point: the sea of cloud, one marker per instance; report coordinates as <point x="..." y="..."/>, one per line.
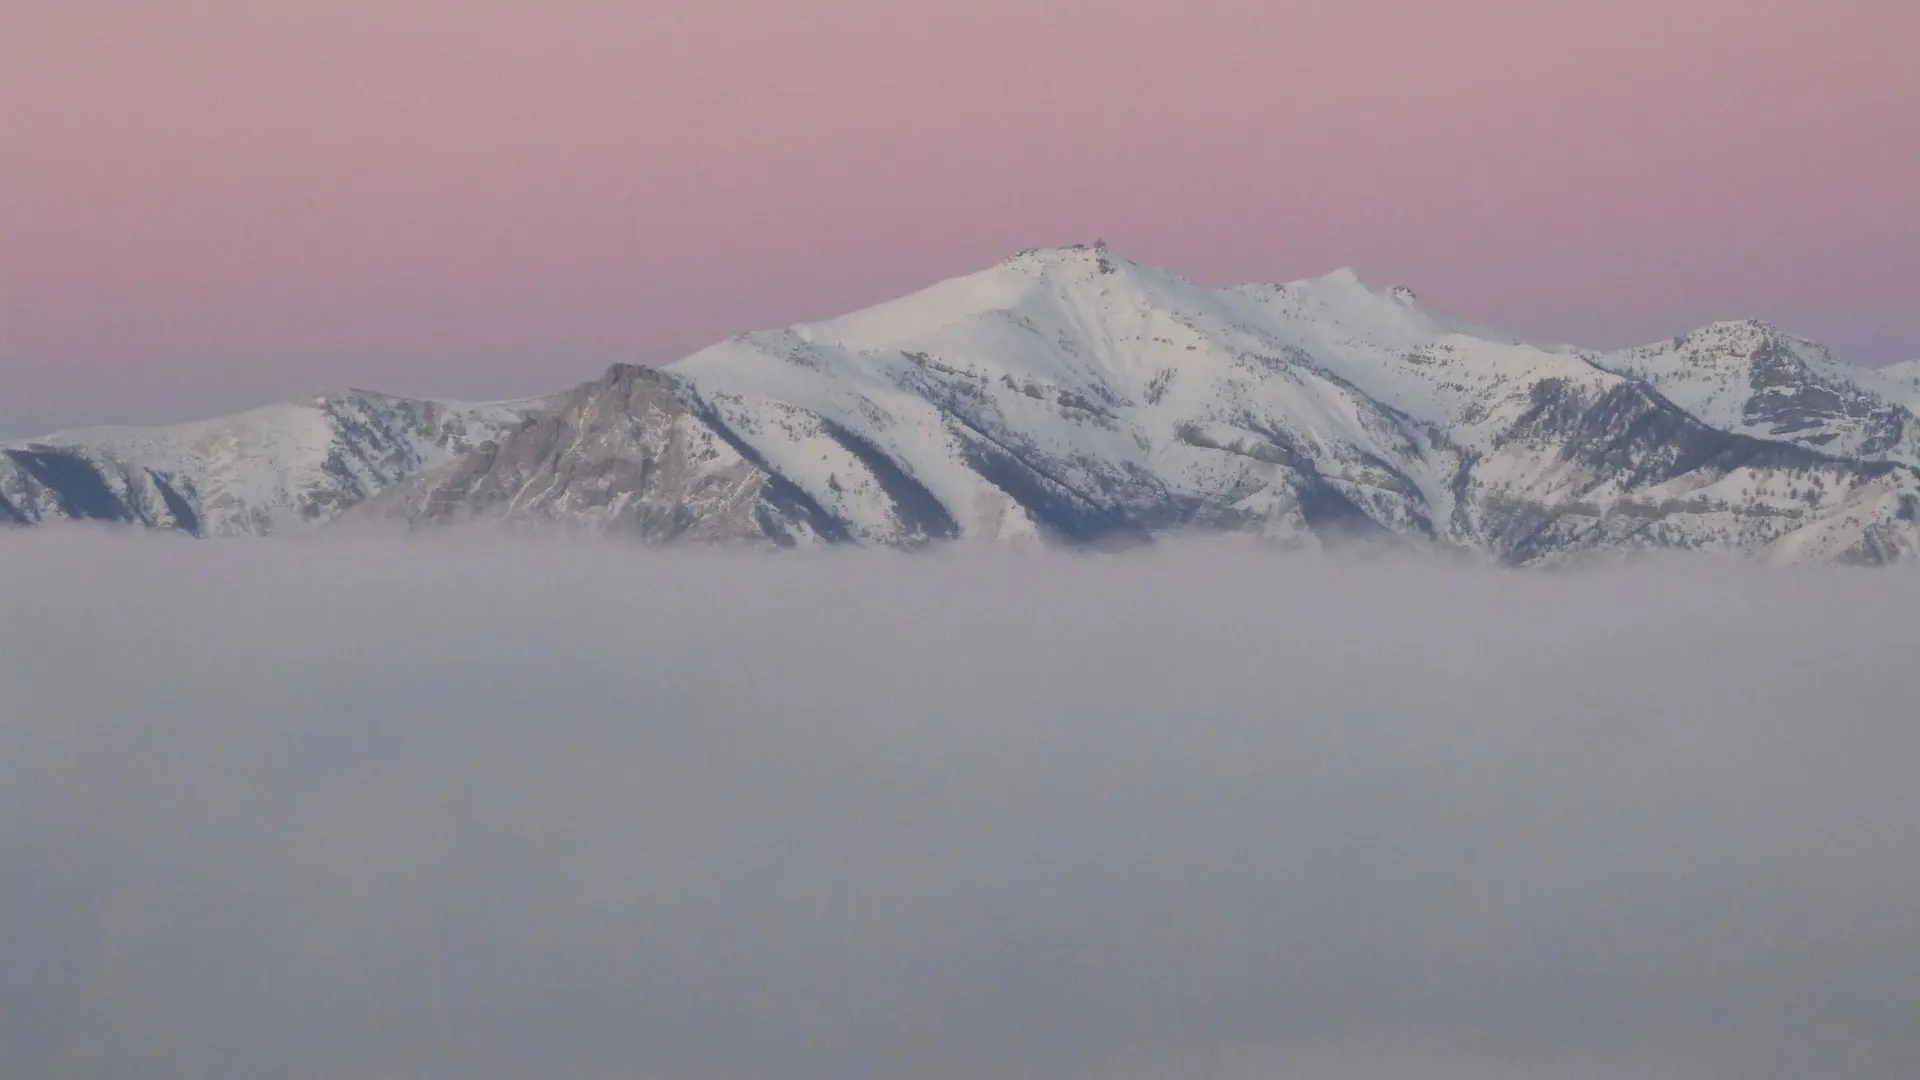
<point x="383" y="809"/>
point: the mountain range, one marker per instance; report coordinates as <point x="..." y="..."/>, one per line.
<point x="1070" y="395"/>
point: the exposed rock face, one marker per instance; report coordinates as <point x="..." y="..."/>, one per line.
<point x="1753" y="378"/>
<point x="1072" y="396"/>
<point x="629" y="454"/>
<point x="1625" y="469"/>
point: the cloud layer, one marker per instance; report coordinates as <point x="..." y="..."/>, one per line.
<point x="378" y="809"/>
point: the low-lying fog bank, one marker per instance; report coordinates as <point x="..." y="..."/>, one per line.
<point x="376" y="809"/>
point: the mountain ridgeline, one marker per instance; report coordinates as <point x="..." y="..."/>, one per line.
<point x="1072" y="396"/>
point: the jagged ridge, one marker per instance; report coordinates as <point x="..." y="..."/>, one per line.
<point x="1071" y="395"/>
<point x="271" y="470"/>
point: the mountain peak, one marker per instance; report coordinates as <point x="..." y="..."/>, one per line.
<point x="1347" y="277"/>
<point x="1738" y="335"/>
<point x="621" y="370"/>
<point x="321" y="399"/>
<point x="1072" y="393"/>
<point x="1096" y="257"/>
<point x="1757" y="327"/>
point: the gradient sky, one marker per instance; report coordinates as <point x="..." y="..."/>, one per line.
<point x="207" y="204"/>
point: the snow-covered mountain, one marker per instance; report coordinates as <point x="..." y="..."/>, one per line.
<point x="1072" y="395"/>
<point x="1752" y="378"/>
<point x="275" y="469"/>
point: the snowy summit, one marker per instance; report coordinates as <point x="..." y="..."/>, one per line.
<point x="1071" y="395"/>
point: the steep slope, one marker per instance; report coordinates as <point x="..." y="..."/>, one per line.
<point x="1074" y="395"/>
<point x="269" y="470"/>
<point x="44" y="484"/>
<point x="626" y="454"/>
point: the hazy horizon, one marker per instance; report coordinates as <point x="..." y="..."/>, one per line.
<point x="219" y="204"/>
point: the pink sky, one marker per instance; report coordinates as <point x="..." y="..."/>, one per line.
<point x="207" y="204"/>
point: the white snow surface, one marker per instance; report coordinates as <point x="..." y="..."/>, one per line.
<point x="1756" y="379"/>
<point x="1120" y="387"/>
<point x="1082" y="356"/>
<point x="293" y="465"/>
